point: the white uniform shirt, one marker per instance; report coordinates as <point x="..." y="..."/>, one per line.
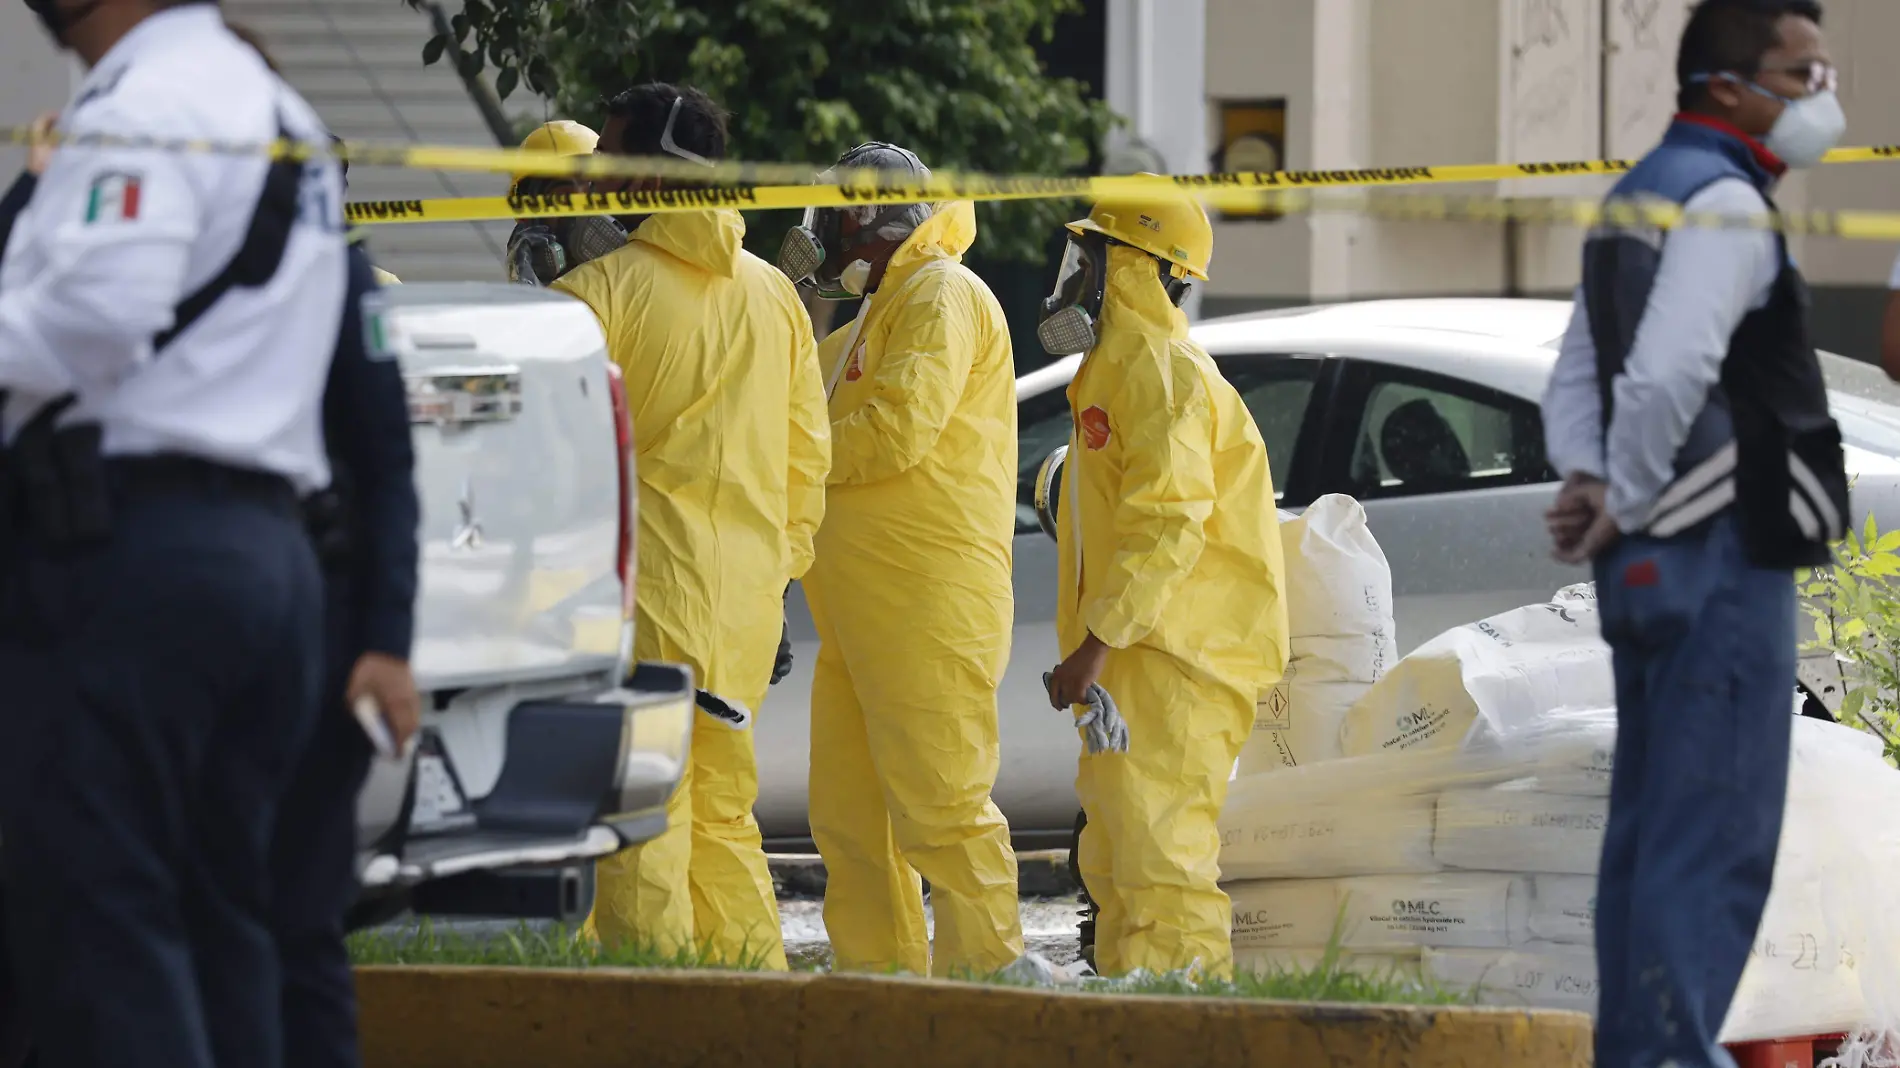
<point x="114" y="239"/>
<point x="1707" y="282"/>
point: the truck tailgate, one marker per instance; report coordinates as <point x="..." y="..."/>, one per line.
<point x="515" y="466"/>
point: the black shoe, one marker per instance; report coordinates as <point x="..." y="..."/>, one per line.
<point x="1086" y="929"/>
<point x="1085" y="932"/>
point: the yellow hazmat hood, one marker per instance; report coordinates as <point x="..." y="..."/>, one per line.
<point x="709" y="240"/>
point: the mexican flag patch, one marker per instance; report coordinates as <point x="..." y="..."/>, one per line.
<point x="114" y="198"/>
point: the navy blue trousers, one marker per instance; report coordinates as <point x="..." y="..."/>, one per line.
<point x="1704" y="647"/>
<point x="160" y="690"/>
<point x="313" y="862"/>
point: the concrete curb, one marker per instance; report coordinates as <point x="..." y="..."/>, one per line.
<point x="526" y="1018"/>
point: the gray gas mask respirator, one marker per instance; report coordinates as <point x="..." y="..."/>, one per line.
<point x="1067" y="320"/>
<point x="541" y="251"/>
<point x="817" y="253"/>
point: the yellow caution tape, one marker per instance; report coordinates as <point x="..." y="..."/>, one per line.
<point x="1577" y="212"/>
<point x="943" y="185"/>
<point x="760" y="186"/>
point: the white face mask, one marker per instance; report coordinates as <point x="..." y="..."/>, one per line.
<point x="855" y="277"/>
<point x="1807" y="129"/>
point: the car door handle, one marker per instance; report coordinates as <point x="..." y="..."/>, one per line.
<point x="459" y="396"/>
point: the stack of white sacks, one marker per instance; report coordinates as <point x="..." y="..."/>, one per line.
<point x="1339" y="596"/>
<point x="1455" y="835"/>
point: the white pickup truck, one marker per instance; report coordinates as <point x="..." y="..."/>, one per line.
<point x="543" y="746"/>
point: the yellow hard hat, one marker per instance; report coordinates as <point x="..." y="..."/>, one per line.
<point x="1174" y="229"/>
<point x="561" y="135"/>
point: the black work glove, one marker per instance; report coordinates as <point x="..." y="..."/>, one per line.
<point x="782" y="665"/>
<point x="535" y="255"/>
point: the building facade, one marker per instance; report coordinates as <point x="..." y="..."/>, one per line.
<point x="1392" y="83"/>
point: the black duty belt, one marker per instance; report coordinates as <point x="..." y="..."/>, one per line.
<point x="187" y="475"/>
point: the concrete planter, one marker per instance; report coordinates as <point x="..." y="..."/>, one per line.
<point x="528" y="1018"/>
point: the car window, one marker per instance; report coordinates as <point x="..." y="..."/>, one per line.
<point x="1420" y="433"/>
<point x="1042" y="425"/>
<point x="1276" y="390"/>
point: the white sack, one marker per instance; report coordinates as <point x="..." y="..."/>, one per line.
<point x="1342" y="637"/>
<point x="1284" y="912"/>
<point x="1383" y="836"/>
<point x="1578" y="764"/>
<point x="1297" y="722"/>
<point x="1510" y="669"/>
<point x="1800" y="978"/>
<point x="1824" y="960"/>
<point x="1564" y="909"/>
<point x="1520" y="831"/>
<point x="1451" y="910"/>
<point x="1401" y="967"/>
<point x="1338" y="585"/>
<point x="1381" y="913"/>
<point x="1827" y="956"/>
<point x="1540" y="975"/>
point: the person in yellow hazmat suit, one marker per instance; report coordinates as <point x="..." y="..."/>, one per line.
<point x="1171" y="581"/>
<point x="732" y="447"/>
<point x="911" y="586"/>
<point x="541" y="250"/>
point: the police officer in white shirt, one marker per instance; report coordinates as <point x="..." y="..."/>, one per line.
<point x="167" y="321"/>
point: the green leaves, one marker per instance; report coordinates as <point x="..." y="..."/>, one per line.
<point x="957" y="81"/>
<point x="1855" y="607"/>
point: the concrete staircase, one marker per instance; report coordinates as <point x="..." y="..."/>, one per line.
<point x="359" y="63"/>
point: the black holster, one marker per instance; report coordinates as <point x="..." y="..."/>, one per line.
<point x="330" y="519"/>
<point x="58" y="480"/>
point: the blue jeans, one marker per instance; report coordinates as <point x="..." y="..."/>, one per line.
<point x="1704" y="649"/>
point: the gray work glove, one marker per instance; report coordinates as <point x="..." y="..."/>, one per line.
<point x="535" y="255"/>
<point x="1103" y="729"/>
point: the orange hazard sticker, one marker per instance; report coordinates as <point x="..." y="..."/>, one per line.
<point x="1095" y="428"/>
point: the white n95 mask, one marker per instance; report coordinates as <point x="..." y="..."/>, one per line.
<point x="1808" y="129"/>
<point x="855" y="277"/>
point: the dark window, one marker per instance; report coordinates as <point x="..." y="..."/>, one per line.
<point x="1277" y="390"/>
<point x="1424" y="433"/>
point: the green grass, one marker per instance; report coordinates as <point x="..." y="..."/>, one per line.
<point x="1326" y="981"/>
<point x="524" y="947"/>
<point x="563" y="947"/>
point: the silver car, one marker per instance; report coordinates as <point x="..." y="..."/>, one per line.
<point x="1424" y="410"/>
